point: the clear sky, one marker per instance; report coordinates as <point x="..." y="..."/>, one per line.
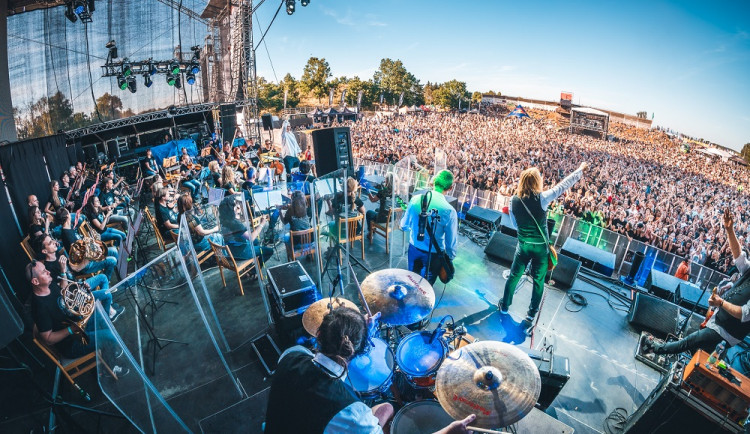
<point x="688" y="63"/>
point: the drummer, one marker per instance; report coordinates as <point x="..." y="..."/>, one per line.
<point x="313" y="385"/>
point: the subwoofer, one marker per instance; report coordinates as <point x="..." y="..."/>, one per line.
<point x="267" y="120"/>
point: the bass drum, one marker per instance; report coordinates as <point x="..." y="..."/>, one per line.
<point x="420" y="417"/>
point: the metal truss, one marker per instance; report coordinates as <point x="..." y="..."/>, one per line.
<point x="151" y="116"/>
<point x="187" y="11"/>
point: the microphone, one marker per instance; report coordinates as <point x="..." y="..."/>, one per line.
<point x="422" y="224"/>
<point x="436" y="331"/>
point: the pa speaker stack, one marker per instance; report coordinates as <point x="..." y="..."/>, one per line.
<point x="333" y="150"/>
<point x="228" y="116"/>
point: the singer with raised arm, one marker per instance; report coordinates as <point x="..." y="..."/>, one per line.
<point x="528" y="211"/>
<point x="310" y="392"/>
<point x="431" y="212"/>
<point x="730" y="308"/>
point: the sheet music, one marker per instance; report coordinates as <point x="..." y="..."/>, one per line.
<point x="324" y="187"/>
<point x="215" y="195"/>
<point x="268" y="199"/>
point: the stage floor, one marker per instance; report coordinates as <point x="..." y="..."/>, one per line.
<point x="596" y="339"/>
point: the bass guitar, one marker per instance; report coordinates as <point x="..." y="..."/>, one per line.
<point x="447" y="270"/>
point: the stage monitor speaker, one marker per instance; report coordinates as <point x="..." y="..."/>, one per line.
<point x="228" y="114"/>
<point x="554" y="371"/>
<point x="484" y="217"/>
<point x="502" y="247"/>
<point x="654" y="314"/>
<point x="689" y="294"/>
<point x="566" y="272"/>
<point x="267" y="120"/>
<point x="333" y="150"/>
<point x="11" y="325"/>
<point x="662" y="284"/>
<point x="670" y="409"/>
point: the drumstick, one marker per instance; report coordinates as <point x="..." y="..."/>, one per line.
<point x="483" y="430"/>
<point x="359" y="288"/>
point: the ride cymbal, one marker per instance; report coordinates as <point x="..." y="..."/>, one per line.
<point x="401" y="296"/>
<point x="494" y="380"/>
<point x="313" y="316"/>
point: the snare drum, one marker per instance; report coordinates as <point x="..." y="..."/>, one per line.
<point x="420" y="417"/>
<point x="371" y="373"/>
<point x="419" y="359"/>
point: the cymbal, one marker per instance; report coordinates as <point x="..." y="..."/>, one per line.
<point x="494" y="380"/>
<point x="402" y="297"/>
<point x="313" y="316"/>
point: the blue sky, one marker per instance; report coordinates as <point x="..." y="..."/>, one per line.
<point x="686" y="62"/>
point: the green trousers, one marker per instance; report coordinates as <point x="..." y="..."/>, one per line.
<point x="525" y="252"/>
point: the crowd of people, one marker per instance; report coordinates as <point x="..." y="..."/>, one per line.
<point x="642" y="183"/>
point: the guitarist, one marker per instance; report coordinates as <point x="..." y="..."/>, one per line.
<point x="426" y="254"/>
<point x="528" y="211"/>
<point x="731" y="319"/>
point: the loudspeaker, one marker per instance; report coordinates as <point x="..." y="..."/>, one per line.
<point x="662" y="284"/>
<point x="654" y="314"/>
<point x="333" y="150"/>
<point x="554" y="371"/>
<point x="502" y="247"/>
<point x="267" y="120"/>
<point x="506" y="225"/>
<point x="484" y="217"/>
<point x="11" y="325"/>
<point x="228" y="115"/>
<point x="671" y="409"/>
<point x="637" y="261"/>
<point x="566" y="272"/>
<point x="688" y="295"/>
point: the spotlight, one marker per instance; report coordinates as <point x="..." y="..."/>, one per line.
<point x="304" y="3"/>
<point x="131" y="84"/>
<point x="195" y="68"/>
<point x="147" y="80"/>
<point x="127" y="68"/>
<point x="196" y="52"/>
<point x="112" y="49"/>
<point x="177" y="82"/>
<point x="83" y="9"/>
<point x="174" y="67"/>
<point x="290" y="7"/>
<point x="79" y="7"/>
<point x="121" y="82"/>
<point x="190" y="78"/>
<point x="152" y="69"/>
<point x="69" y="14"/>
<point x="171" y="79"/>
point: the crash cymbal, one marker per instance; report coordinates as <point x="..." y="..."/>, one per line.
<point x="494" y="380"/>
<point x="313" y="316"/>
<point x="402" y="297"/>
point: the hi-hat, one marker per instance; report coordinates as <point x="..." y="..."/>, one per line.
<point x="402" y="297"/>
<point x="313" y="316"/>
<point x="494" y="380"/>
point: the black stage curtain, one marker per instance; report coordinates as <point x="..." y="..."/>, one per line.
<point x="58" y="159"/>
<point x="25" y="174"/>
<point x="12" y="258"/>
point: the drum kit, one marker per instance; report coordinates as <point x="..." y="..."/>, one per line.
<point x="494" y="380"/>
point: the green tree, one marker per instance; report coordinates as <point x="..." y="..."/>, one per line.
<point x="270" y="95"/>
<point x="428" y="92"/>
<point x="290" y="85"/>
<point x="448" y="93"/>
<point x="369" y="92"/>
<point x="315" y="77"/>
<point x="109" y="107"/>
<point x="746" y="152"/>
<point x="476" y="97"/>
<point x="392" y="78"/>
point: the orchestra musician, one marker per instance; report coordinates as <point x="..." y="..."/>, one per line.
<point x="114" y="200"/>
<point x="38" y="224"/>
<point x="68" y="235"/>
<point x="166" y="214"/>
<point x="214" y="174"/>
<point x="187" y="171"/>
<point x="228" y="180"/>
<point x="241" y="242"/>
<point x="198" y="234"/>
<point x="150" y="168"/>
<point x="57" y="199"/>
<point x="99" y="217"/>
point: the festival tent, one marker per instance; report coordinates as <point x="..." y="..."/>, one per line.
<point x="724" y="155"/>
<point x="518" y="112"/>
<point x="316" y="114"/>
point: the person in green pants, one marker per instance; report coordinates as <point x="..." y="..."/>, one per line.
<point x="528" y="211"/>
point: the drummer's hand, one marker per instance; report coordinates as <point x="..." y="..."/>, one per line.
<point x="372" y="323"/>
<point x="459" y="426"/>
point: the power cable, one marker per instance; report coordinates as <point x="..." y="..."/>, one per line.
<point x="88" y="65"/>
<point x="269" y="25"/>
<point x="268" y="54"/>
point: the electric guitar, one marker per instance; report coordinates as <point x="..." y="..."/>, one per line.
<point x="447" y="270"/>
<point x="710" y="312"/>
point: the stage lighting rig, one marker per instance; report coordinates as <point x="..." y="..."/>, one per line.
<point x="147" y="80"/>
<point x="127" y="71"/>
<point x="171" y="79"/>
<point x="127" y="68"/>
<point x="190" y="78"/>
<point x="131" y="84"/>
<point x="82" y="9"/>
<point x="121" y="82"/>
<point x="112" y="50"/>
<point x="177" y="82"/>
<point x="304" y="3"/>
<point x="290" y="5"/>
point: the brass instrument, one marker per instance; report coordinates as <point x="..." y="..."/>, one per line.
<point x="79" y="303"/>
<point x="87" y="248"/>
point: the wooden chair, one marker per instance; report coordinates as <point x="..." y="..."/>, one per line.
<point x="306" y="243"/>
<point x="385" y="229"/>
<point x="71" y="368"/>
<point x="225" y="259"/>
<point x="26" y="246"/>
<point x="352" y="223"/>
<point x="159" y="239"/>
<point x="202" y="256"/>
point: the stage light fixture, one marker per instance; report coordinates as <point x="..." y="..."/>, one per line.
<point x="178" y="82"/>
<point x="190" y="78"/>
<point x="290" y="4"/>
<point x="147" y="80"/>
<point x="79" y="7"/>
<point x="152" y="69"/>
<point x="121" y="82"/>
<point x="127" y="68"/>
<point x="304" y="3"/>
<point x="174" y="67"/>
<point x="131" y="84"/>
<point x="171" y="79"/>
<point x="112" y="49"/>
<point x="196" y="52"/>
<point x="195" y="68"/>
<point x="69" y="14"/>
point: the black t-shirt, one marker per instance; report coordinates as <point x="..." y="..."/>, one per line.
<point x="107" y="197"/>
<point x="164" y="214"/>
<point x="49" y="313"/>
<point x="338" y="203"/>
<point x="69" y="236"/>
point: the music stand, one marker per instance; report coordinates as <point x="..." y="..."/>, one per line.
<point x="206" y="152"/>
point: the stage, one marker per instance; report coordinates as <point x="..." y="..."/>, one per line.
<point x="596" y="339"/>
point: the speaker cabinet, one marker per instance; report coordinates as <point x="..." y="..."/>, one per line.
<point x="333" y="150"/>
<point x="566" y="272"/>
<point x="654" y="314"/>
<point x="662" y="284"/>
<point x="554" y="371"/>
<point x="267" y="120"/>
<point x="502" y="247"/>
<point x="228" y="115"/>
